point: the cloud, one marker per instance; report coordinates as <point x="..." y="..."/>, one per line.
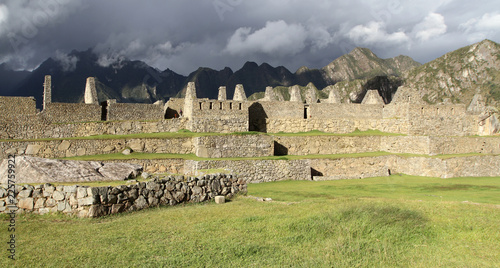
<point x="4" y="13"/>
<point x="67" y="62"/>
<point x="277" y="37"/>
<point x="432" y="26"/>
<point x="375" y="34"/>
<point x="481" y="28"/>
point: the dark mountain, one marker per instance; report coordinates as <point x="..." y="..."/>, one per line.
<point x="135" y="81"/>
<point x="10" y="79"/>
<point x="207" y="82"/>
<point x="128" y="81"/>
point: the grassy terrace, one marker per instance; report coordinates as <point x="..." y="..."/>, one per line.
<point x="135" y="155"/>
<point x="396" y="221"/>
<point x="189" y="134"/>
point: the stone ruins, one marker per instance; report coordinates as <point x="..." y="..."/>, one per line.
<point x="421" y="130"/>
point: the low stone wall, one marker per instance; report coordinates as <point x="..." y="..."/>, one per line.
<point x="85" y="201"/>
<point x="350" y="168"/>
<point x="364" y="167"/>
<point x="307" y="145"/>
<point x="234" y="146"/>
<point x="254" y="171"/>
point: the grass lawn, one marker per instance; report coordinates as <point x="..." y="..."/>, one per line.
<point x="399" y="221"/>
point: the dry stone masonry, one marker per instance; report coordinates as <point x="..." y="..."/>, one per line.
<point x="85" y="201"/>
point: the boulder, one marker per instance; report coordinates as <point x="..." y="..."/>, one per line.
<point x="40" y="170"/>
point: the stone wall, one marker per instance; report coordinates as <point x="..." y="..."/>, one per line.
<point x="69" y="148"/>
<point x="218" y="116"/>
<point x="345" y="125"/>
<point x="350" y="168"/>
<point x="72" y="112"/>
<point x="308" y="145"/>
<point x="234" y="146"/>
<point x="171" y="165"/>
<point x="12" y="107"/>
<point x="85" y="201"/>
<point x="257" y="145"/>
<point x="38" y="130"/>
<point x="345" y="110"/>
<point x="134" y="111"/>
<point x="254" y="171"/>
<point x="364" y="167"/>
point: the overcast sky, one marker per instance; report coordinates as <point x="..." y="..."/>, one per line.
<point x="185" y="35"/>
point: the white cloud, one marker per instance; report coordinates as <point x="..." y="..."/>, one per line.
<point x="432" y="26"/>
<point x="374" y="33"/>
<point x="4" y="13"/>
<point x="480" y="28"/>
<point x="277" y="37"/>
<point x="68" y="62"/>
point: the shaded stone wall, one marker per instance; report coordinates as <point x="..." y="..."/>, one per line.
<point x="72" y="112"/>
<point x="134" y="111"/>
<point x="13" y="107"/>
<point x="85" y="201"/>
<point x="234" y="146"/>
<point x="254" y="171"/>
<point x="36" y="129"/>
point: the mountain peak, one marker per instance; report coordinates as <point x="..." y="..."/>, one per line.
<point x="459" y="74"/>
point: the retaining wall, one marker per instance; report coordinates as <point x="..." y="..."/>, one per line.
<point x="234" y="146"/>
<point x="364" y="167"/>
<point x="254" y="171"/>
<point x="85" y="201"/>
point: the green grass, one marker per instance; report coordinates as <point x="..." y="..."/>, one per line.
<point x="149" y="156"/>
<point x="478" y="190"/>
<point x="158" y="135"/>
<point x="390" y="222"/>
<point x="188" y="134"/>
<point x="355" y="133"/>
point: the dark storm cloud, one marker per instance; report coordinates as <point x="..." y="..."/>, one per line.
<point x="183" y="35"/>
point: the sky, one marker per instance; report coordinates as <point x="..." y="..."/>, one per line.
<point x="185" y="35"/>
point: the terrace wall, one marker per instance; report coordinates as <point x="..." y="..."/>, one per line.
<point x="85" y="201"/>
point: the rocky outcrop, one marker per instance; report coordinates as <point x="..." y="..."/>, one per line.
<point x="40" y="170"/>
<point x="459" y="75"/>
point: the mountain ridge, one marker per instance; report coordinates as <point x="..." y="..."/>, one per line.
<point x="354" y="73"/>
